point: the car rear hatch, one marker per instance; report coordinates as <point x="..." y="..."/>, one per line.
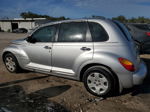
<point x="134" y="48"/>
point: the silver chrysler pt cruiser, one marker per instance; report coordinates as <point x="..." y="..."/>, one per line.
<point x="99" y="52"/>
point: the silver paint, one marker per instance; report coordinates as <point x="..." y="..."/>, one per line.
<point x="67" y="59"/>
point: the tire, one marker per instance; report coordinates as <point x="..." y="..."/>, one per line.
<point x="11" y="63"/>
<point x="98" y="81"/>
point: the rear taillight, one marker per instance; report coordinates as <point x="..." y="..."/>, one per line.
<point x="148" y="34"/>
<point x="128" y="65"/>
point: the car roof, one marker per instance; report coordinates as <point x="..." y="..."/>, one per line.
<point x="75" y="20"/>
<point x="71" y="20"/>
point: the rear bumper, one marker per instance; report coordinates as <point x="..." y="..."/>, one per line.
<point x="139" y="75"/>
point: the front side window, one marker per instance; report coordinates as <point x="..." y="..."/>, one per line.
<point x="98" y="33"/>
<point x="72" y="32"/>
<point x="45" y="34"/>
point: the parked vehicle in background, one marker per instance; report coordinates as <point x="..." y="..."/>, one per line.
<point x="99" y="52"/>
<point x="20" y="30"/>
<point x="141" y="35"/>
<point x="1" y="30"/>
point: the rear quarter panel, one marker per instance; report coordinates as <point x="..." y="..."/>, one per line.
<point x="108" y="55"/>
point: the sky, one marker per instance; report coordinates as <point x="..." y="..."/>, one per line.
<point x="76" y="8"/>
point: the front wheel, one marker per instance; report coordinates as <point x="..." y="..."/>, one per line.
<point x="11" y="63"/>
<point x="98" y="81"/>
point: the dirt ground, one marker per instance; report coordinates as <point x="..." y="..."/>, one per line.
<point x="68" y="93"/>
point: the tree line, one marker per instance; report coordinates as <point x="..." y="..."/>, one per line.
<point x="34" y="15"/>
<point x="139" y="19"/>
<point x="120" y="18"/>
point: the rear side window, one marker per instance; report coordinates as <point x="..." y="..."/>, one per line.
<point x="72" y="32"/>
<point x="98" y="33"/>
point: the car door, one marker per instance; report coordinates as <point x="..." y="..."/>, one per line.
<point x="39" y="48"/>
<point x="72" y="47"/>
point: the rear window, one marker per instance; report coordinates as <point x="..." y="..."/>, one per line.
<point x="142" y="27"/>
<point x="124" y="30"/>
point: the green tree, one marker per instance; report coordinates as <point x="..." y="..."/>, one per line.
<point x="132" y="20"/>
<point x="34" y="15"/>
<point x="139" y="19"/>
<point x="120" y="18"/>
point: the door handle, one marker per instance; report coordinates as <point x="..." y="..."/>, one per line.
<point x="85" y="49"/>
<point x="47" y="47"/>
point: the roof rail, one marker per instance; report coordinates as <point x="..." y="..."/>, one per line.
<point x="95" y="17"/>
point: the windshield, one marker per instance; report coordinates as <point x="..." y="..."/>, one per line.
<point x="32" y="30"/>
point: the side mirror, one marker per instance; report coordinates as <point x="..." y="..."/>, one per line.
<point x="31" y="40"/>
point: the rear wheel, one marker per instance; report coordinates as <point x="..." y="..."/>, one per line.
<point x="11" y="63"/>
<point x="98" y="81"/>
